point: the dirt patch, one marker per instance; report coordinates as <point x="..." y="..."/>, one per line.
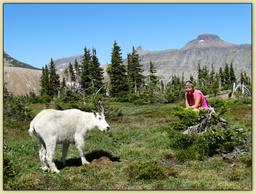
<point x="102" y="160"/>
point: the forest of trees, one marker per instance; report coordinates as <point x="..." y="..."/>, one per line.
<point x="127" y="81"/>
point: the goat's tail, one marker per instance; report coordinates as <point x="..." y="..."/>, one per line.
<point x="32" y="131"/>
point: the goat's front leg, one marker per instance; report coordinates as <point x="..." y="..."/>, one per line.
<point x="80" y="145"/>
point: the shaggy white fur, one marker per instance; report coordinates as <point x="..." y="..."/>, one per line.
<point x="65" y="127"/>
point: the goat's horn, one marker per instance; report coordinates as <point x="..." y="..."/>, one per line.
<point x="100" y="107"/>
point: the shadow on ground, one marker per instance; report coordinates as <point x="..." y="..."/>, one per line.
<point x="92" y="156"/>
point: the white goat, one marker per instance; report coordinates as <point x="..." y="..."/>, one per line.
<point x="64" y="127"/>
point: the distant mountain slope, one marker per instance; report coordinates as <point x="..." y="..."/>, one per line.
<point x="206" y="49"/>
<point x="11" y="62"/>
<point x="21" y="81"/>
<point x="20" y="78"/>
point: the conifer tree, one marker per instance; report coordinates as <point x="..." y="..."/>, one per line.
<point x="199" y="75"/>
<point x="191" y="78"/>
<point x="215" y="84"/>
<point x="85" y="79"/>
<point x="96" y="73"/>
<point x="153" y="79"/>
<point x="44" y="81"/>
<point x="222" y="78"/>
<point x="77" y="70"/>
<point x="63" y="85"/>
<point x="54" y="82"/>
<point x="71" y="73"/>
<point x="117" y="73"/>
<point x="134" y="72"/>
<point x="226" y="77"/>
<point x="232" y="75"/>
<point x="72" y="76"/>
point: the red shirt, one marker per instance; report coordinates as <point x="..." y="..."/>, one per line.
<point x="191" y="99"/>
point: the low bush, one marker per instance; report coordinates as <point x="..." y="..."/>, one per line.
<point x="146" y="171"/>
<point x="221" y="106"/>
<point x="215" y="139"/>
<point x="179" y="140"/>
<point x="17" y="108"/>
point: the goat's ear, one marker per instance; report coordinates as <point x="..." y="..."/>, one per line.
<point x="100" y="107"/>
<point x="95" y="114"/>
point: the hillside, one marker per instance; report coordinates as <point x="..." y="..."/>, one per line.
<point x="21" y="81"/>
<point x="206" y="49"/>
<point x="20" y="78"/>
<point x="11" y="62"/>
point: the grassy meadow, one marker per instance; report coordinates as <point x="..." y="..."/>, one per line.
<point x="134" y="155"/>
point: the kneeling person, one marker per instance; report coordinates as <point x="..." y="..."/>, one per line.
<point x="194" y="98"/>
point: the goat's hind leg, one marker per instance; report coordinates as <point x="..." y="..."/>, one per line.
<point x="50" y="151"/>
<point x="42" y="156"/>
<point x="64" y="152"/>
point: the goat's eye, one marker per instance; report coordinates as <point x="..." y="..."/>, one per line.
<point x="100" y="118"/>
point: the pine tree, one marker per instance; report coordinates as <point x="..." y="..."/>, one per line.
<point x="130" y="73"/>
<point x="232" y="76"/>
<point x="134" y="72"/>
<point x="191" y="78"/>
<point x="117" y="73"/>
<point x="174" y="89"/>
<point x="85" y="79"/>
<point x="44" y="81"/>
<point x="153" y="79"/>
<point x="215" y="85"/>
<point x="222" y="78"/>
<point x="71" y="74"/>
<point x="226" y="77"/>
<point x="199" y="75"/>
<point x="54" y="82"/>
<point x="63" y="85"/>
<point x="77" y="70"/>
<point x="96" y="73"/>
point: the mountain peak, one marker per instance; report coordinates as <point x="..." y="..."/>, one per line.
<point x="208" y="37"/>
<point x="207" y="41"/>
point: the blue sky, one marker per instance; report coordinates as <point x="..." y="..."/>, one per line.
<point x="35" y="33"/>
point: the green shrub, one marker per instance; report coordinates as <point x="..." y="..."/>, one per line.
<point x="246" y="159"/>
<point x="214" y="139"/>
<point x="179" y="140"/>
<point x="243" y="100"/>
<point x="220" y="106"/>
<point x="9" y="172"/>
<point x="187" y="154"/>
<point x="186" y="118"/>
<point x="145" y="171"/>
<point x="150" y="170"/>
<point x="223" y="139"/>
<point x="8" y="169"/>
<point x="17" y="108"/>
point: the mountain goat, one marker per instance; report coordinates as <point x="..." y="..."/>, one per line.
<point x="53" y="127"/>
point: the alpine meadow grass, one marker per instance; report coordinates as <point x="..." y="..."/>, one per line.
<point x="142" y="151"/>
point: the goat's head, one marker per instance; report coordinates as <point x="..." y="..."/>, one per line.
<point x="101" y="123"/>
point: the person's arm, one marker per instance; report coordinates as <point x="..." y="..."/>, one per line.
<point x="186" y="101"/>
<point x="197" y="98"/>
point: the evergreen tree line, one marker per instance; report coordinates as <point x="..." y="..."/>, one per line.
<point x="88" y="74"/>
<point x="128" y="80"/>
<point x="208" y="81"/>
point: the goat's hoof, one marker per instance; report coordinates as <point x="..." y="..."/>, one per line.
<point x="55" y="171"/>
<point x="45" y="168"/>
<point x="85" y="162"/>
